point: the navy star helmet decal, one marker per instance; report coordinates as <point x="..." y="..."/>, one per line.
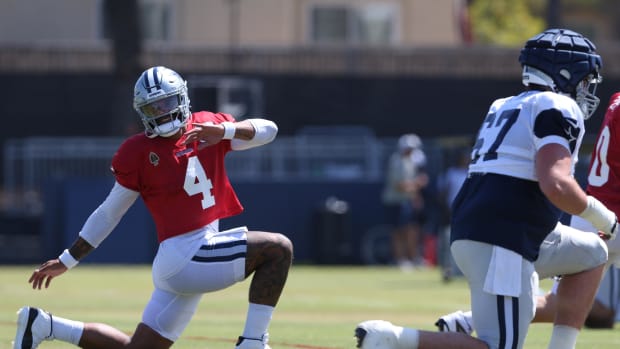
<point x="551" y="122"/>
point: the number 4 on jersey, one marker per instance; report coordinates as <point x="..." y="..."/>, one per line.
<point x="196" y="182"/>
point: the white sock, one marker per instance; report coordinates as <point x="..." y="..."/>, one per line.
<point x="563" y="337"/>
<point x="257" y="321"/>
<point x="67" y="330"/>
<point x="409" y="338"/>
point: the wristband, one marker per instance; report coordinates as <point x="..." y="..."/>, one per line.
<point x="67" y="259"/>
<point x="600" y="216"/>
<point x="229" y="130"/>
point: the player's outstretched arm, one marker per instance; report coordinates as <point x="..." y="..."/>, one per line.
<point x="244" y="134"/>
<point x="43" y="275"/>
<point x="96" y="229"/>
<point x="256" y="132"/>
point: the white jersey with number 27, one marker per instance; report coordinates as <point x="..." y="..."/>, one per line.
<point x="515" y="128"/>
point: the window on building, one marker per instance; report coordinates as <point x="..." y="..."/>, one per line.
<point x="331" y="24"/>
<point x="377" y="24"/>
<point x="363" y="24"/>
<point x="155" y="19"/>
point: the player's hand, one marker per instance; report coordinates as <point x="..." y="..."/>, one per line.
<point x="46" y="272"/>
<point x="608" y="236"/>
<point x="207" y="132"/>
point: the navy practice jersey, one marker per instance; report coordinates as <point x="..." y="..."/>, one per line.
<point x="501" y="203"/>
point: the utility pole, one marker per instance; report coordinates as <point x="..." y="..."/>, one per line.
<point x="123" y="22"/>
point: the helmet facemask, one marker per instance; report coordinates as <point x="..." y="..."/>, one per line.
<point x="585" y="95"/>
<point x="166" y="116"/>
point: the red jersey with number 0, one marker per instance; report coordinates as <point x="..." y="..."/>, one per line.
<point x="184" y="188"/>
<point x="604" y="172"/>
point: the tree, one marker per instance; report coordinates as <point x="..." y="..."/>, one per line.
<point x="506" y="22"/>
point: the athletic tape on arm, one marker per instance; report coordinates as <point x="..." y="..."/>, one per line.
<point x="265" y="132"/>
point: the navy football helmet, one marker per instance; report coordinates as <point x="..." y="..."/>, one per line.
<point x="567" y="63"/>
<point x="160" y="98"/>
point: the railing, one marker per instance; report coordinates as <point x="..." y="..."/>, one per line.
<point x="30" y="163"/>
<point x="455" y="62"/>
<point x="313" y="154"/>
<point x="475" y="61"/>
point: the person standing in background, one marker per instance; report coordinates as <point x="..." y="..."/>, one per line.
<point x="404" y="201"/>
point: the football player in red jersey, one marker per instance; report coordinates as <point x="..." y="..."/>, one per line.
<point x="177" y="167"/>
<point x="604" y="183"/>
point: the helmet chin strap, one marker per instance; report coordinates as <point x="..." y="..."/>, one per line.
<point x="168" y="129"/>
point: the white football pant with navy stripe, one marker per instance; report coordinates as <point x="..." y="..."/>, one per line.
<point x="188" y="266"/>
<point x="501" y="321"/>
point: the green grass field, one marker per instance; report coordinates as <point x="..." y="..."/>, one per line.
<point x="318" y="310"/>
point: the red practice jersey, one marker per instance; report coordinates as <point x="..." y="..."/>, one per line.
<point x="604" y="172"/>
<point x="184" y="188"/>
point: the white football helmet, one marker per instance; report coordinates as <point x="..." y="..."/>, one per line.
<point x="160" y="98"/>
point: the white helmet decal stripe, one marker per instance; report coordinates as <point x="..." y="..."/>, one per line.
<point x="151" y="80"/>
